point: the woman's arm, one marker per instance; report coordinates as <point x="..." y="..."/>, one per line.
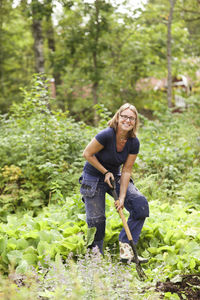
<point x="125" y="178"/>
<point x="93" y="147"/>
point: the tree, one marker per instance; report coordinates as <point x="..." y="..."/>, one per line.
<point x="169" y="54"/>
<point x="191" y="15"/>
<point x="16" y="54"/>
<point x="95" y="53"/>
<point x="49" y="31"/>
<point x="83" y="33"/>
<point x="168" y="37"/>
<point x="37" y="16"/>
<point x="2" y="15"/>
<point x="95" y="44"/>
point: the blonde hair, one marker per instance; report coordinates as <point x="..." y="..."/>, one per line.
<point x="113" y="123"/>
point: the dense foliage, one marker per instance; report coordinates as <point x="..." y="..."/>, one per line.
<point x="43" y="217"/>
<point x="40" y="153"/>
<point x="95" y="51"/>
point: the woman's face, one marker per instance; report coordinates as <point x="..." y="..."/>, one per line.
<point x="127" y="120"/>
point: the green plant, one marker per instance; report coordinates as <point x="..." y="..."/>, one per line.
<point x="45" y="147"/>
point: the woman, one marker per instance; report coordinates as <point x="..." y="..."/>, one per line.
<point x="112" y="148"/>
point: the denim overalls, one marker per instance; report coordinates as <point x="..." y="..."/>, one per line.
<point x="93" y="190"/>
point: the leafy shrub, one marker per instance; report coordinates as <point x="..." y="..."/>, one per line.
<point x="169" y="149"/>
<point x="171" y="241"/>
<point x="45" y="147"/>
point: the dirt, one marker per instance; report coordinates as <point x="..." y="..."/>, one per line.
<point x="187" y="287"/>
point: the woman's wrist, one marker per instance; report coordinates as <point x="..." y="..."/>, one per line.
<point x="106" y="173"/>
<point x="121" y="198"/>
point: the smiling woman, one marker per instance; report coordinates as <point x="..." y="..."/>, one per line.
<point x="114" y="147"/>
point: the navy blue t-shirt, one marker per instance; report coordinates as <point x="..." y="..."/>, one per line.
<point x="109" y="157"/>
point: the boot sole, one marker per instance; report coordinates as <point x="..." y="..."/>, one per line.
<point x="125" y="260"/>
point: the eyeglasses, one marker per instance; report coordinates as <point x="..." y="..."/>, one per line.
<point x="125" y="117"/>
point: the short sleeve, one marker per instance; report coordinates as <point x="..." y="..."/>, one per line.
<point x="104" y="136"/>
<point x="135" y="146"/>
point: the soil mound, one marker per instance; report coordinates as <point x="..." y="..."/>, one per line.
<point x="186" y="286"/>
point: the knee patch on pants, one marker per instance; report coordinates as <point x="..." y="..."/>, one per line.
<point x="141" y="209"/>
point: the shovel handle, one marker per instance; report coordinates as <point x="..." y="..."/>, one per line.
<point x="126" y="228"/>
<point x="128" y="233"/>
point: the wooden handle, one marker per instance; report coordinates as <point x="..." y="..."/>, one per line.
<point x="129" y="235"/>
<point x="126" y="228"/>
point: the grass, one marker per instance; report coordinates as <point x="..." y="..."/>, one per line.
<point x="89" y="277"/>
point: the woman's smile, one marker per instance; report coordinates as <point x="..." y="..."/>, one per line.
<point x="127" y="120"/>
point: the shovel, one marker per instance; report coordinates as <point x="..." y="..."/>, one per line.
<point x="139" y="269"/>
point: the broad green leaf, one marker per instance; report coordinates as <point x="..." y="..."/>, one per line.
<point x="42" y="247"/>
<point x="31" y="234"/>
<point x="4" y="257"/>
<point x="198" y="237"/>
<point x="22" y="268"/>
<point x="22" y="244"/>
<point x="171" y="296"/>
<point x="90" y="235"/>
<point x="112" y="237"/>
<point x="170" y="258"/>
<point x="168" y="236"/>
<point x="46" y="236"/>
<point x="193" y="248"/>
<point x="30" y="250"/>
<point x="71" y="230"/>
<point x="12" y="244"/>
<point x="30" y="258"/>
<point x="3" y="243"/>
<point x="14" y="257"/>
<point x="180" y="265"/>
<point x="181" y="244"/>
<point x="153" y="250"/>
<point x="165" y="248"/>
<point x="192" y="264"/>
<point x="68" y="245"/>
<point x="58" y="259"/>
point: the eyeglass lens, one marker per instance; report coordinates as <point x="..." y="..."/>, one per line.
<point x="126" y="117"/>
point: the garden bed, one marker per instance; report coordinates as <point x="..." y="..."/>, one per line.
<point x="186" y="286"/>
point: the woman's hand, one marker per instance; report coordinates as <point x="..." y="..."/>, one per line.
<point x="109" y="176"/>
<point x="119" y="204"/>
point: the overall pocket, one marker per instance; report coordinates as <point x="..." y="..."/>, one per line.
<point x="88" y="185"/>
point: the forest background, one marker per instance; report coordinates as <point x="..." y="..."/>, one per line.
<point x="97" y="53"/>
<point x="63" y="73"/>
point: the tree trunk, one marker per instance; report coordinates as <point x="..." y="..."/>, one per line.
<point x="51" y="42"/>
<point x="1" y="47"/>
<point x="95" y="100"/>
<point x="169" y="54"/>
<point x="95" y="83"/>
<point x="38" y="37"/>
